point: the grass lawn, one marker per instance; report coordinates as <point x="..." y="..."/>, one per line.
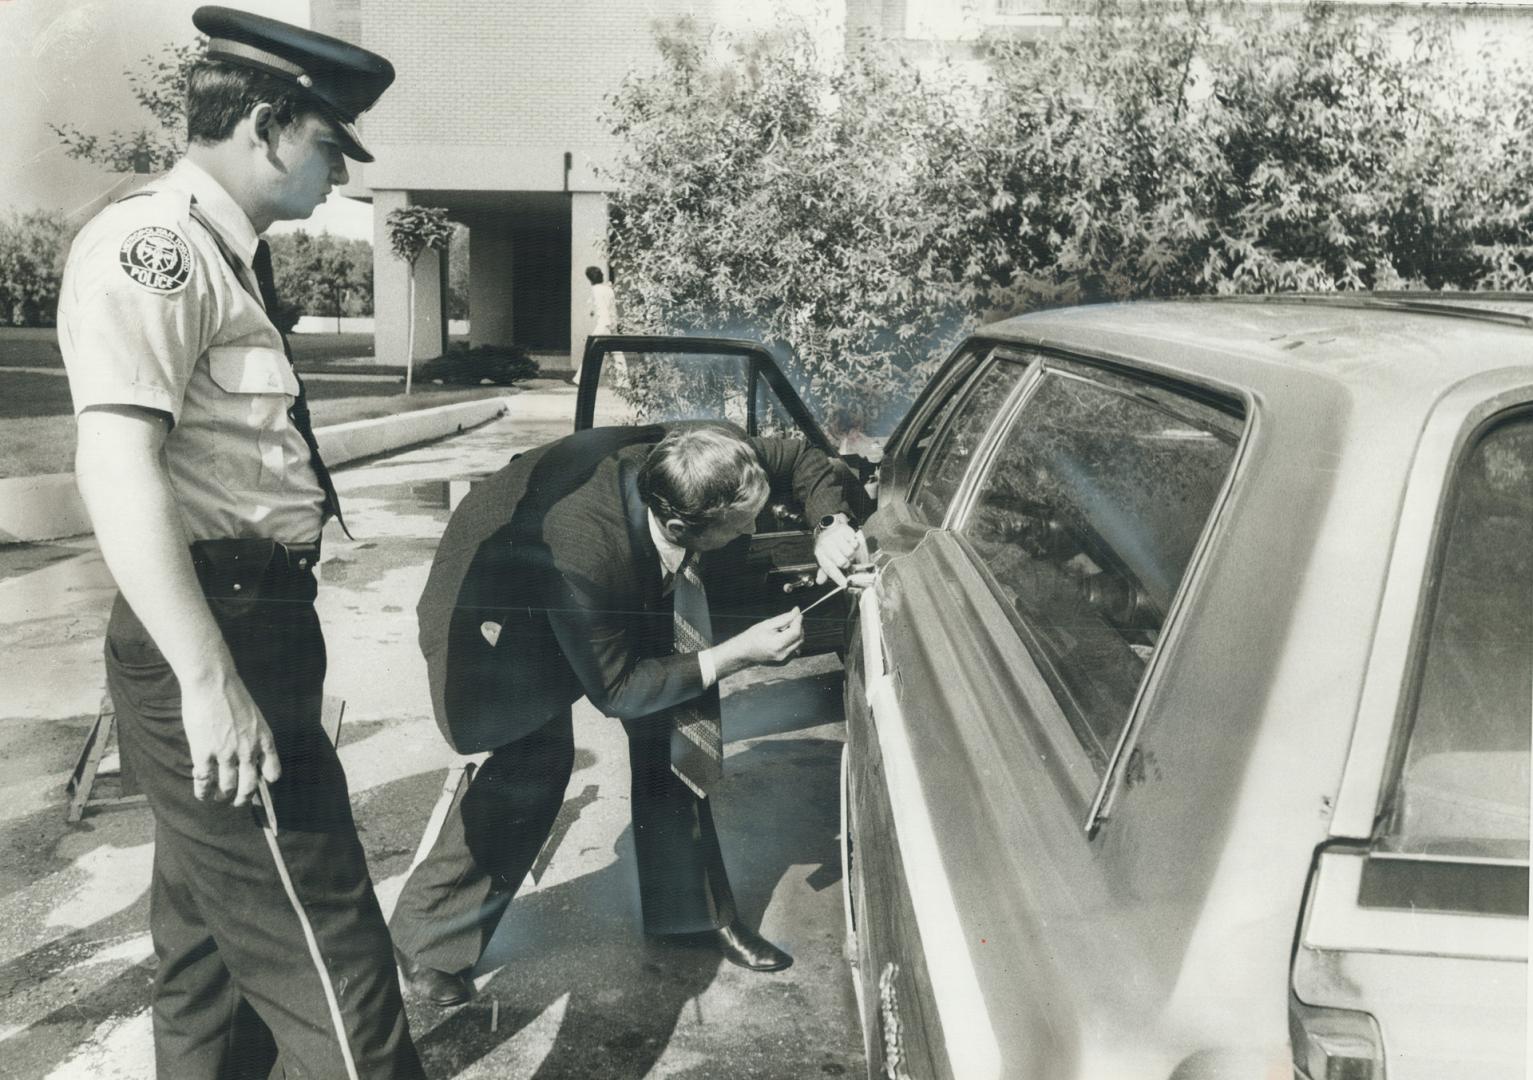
<point x="26" y="393"/>
<point x="31" y="445"/>
<point x="28" y="346"/>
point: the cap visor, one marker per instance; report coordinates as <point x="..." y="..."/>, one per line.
<point x="351" y="141"/>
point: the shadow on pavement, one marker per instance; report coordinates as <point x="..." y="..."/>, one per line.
<point x="575" y="957"/>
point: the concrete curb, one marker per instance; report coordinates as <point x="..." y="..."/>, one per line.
<point x="48" y="507"/>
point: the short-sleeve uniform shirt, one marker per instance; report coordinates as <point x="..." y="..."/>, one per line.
<point x="153" y="314"/>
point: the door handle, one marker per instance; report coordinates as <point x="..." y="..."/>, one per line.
<point x="800" y="581"/>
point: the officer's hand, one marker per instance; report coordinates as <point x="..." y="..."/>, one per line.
<point x="834" y="550"/>
<point x="231" y="744"/>
<point x="773" y="640"/>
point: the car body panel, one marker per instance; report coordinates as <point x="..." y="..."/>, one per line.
<point x="1469" y="1021"/>
<point x="1157" y="939"/>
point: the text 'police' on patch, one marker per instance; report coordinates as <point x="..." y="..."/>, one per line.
<point x="157" y="258"/>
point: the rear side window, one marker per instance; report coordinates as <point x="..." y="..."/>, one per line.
<point x="1463" y="788"/>
<point x="1087" y="520"/>
<point x="948" y="460"/>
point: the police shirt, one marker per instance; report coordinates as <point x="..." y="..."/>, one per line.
<point x="152" y="314"/>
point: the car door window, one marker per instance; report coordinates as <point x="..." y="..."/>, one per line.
<point x="948" y="460"/>
<point x="1463" y="785"/>
<point x="1087" y="519"/>
<point x="659" y="387"/>
<point x="772" y="418"/>
<point x="655" y="387"/>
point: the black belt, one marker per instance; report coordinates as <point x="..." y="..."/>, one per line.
<point x="235" y="567"/>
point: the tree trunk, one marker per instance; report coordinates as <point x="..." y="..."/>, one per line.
<point x="410" y="334"/>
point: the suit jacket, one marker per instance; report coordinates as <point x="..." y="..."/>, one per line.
<point x="555" y="548"/>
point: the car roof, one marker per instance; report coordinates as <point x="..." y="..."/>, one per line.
<point x="1395" y="346"/>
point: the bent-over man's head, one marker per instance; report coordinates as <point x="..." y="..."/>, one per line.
<point x="704" y="485"/>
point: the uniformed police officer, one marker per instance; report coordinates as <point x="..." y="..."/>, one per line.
<point x="197" y="464"/>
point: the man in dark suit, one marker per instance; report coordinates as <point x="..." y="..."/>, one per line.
<point x="573" y="571"/>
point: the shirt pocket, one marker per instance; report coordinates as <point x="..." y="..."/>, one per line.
<point x="256" y="388"/>
<point x="251" y="369"/>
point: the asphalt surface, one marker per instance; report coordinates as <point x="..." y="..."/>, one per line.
<point x="580" y="993"/>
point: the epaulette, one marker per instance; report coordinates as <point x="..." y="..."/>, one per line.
<point x="183" y="199"/>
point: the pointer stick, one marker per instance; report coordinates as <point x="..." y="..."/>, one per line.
<point x="822" y="600"/>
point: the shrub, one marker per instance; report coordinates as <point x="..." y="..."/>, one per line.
<point x="32" y="250"/>
<point x="499" y="364"/>
<point x="862" y="213"/>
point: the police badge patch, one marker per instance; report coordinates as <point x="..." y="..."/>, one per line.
<point x="157" y="258"/>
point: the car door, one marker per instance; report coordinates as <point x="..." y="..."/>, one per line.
<point x="1040" y="515"/>
<point x="631" y="379"/>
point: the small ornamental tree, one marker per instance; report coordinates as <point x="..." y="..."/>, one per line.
<point x="159" y="85"/>
<point x="412" y="230"/>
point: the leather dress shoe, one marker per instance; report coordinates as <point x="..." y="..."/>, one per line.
<point x="429" y="984"/>
<point x="738" y="944"/>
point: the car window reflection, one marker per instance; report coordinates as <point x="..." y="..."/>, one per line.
<point x="1087" y="519"/>
<point x="1464" y="788"/>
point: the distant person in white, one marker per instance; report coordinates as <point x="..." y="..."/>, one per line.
<point x="604" y="314"/>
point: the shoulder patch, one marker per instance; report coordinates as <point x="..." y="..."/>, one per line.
<point x="157" y="258"/>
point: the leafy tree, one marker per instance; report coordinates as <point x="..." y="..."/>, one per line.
<point x="822" y="205"/>
<point x="32" y="249"/>
<point x="334" y="272"/>
<point x="862" y="212"/>
<point x="1226" y="147"/>
<point x="159" y="86"/>
<point x="321" y="274"/>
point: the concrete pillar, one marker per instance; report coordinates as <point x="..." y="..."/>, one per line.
<point x="391" y="292"/>
<point x="489" y="280"/>
<point x="588" y="247"/>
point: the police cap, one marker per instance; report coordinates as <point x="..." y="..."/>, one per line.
<point x="343" y="78"/>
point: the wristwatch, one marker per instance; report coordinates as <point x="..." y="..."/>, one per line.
<point x="828" y="520"/>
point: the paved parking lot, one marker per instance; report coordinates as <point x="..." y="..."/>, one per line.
<point x="579" y="992"/>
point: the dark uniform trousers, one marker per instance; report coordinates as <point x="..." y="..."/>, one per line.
<point x="454" y="900"/>
<point x="266" y="947"/>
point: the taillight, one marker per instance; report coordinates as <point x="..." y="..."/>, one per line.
<point x="1334" y="1044"/>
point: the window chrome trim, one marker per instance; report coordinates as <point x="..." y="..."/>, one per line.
<point x="963" y="391"/>
<point x="983" y="458"/>
<point x="967" y="388"/>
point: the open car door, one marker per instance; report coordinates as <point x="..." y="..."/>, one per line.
<point x="631" y="380"/>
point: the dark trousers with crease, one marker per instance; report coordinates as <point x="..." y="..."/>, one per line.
<point x="240" y="984"/>
<point x="454" y="900"/>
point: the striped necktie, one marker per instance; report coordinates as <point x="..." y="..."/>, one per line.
<point x="697" y="737"/>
